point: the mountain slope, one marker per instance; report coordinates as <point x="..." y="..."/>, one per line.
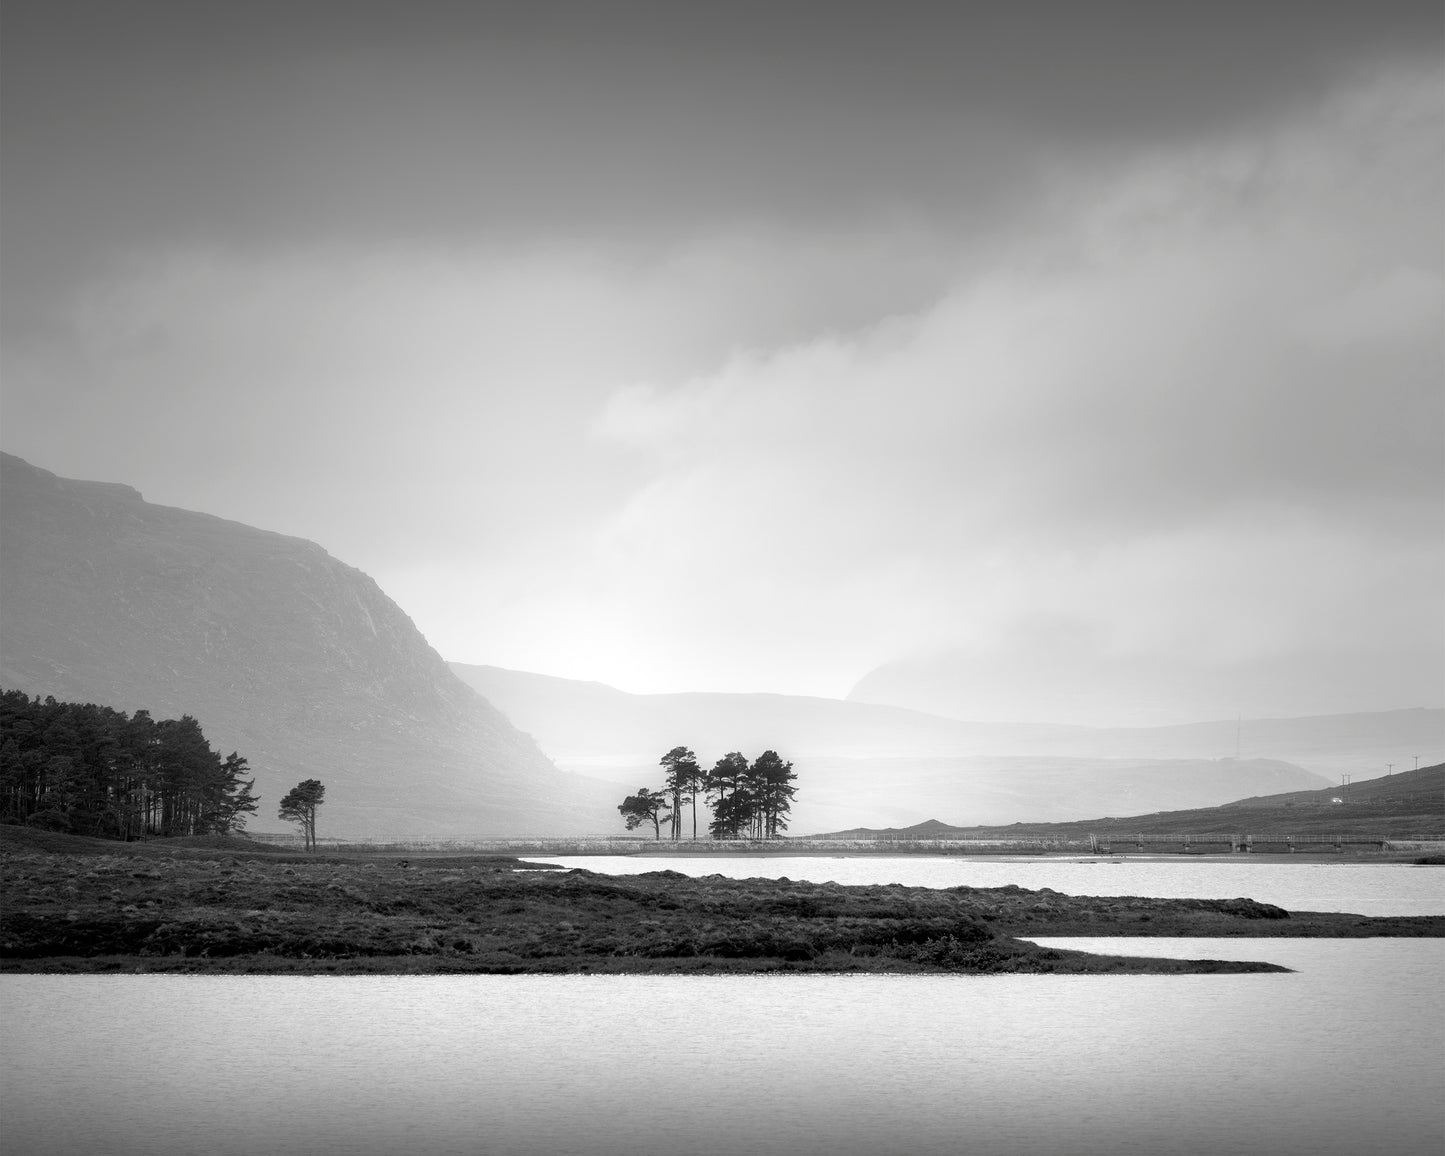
<point x="283" y="653"/>
<point x="1409" y="804"/>
<point x="998" y="790"/>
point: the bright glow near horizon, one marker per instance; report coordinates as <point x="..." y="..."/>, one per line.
<point x="1056" y="378"/>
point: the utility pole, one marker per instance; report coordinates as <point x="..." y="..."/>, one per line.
<point x="1389" y="768"/>
<point x="1417" y="762"/>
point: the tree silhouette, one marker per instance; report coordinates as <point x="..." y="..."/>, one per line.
<point x="645" y="806"/>
<point x="238" y="798"/>
<point x="726" y="785"/>
<point x="99" y="771"/>
<point x="773" y="791"/>
<point x="299" y="806"/>
<point x="681" y="785"/>
<point x="748" y="800"/>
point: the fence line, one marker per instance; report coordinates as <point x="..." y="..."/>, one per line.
<point x="619" y="845"/>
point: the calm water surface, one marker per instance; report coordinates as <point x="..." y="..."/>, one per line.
<point x="1362" y="888"/>
<point x="1343" y="1055"/>
<point x="1316" y="1062"/>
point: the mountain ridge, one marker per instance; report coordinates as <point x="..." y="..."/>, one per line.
<point x="573" y="718"/>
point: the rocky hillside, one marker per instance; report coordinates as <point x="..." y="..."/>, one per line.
<point x="283" y="653"/>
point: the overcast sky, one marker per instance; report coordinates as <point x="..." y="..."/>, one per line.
<point x="734" y="347"/>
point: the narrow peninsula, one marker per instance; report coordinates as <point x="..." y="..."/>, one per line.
<point x="222" y="905"/>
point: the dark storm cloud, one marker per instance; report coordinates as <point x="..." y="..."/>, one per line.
<point x="729" y="346"/>
<point x="269" y="124"/>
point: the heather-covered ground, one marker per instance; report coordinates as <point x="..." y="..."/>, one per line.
<point x="223" y="906"/>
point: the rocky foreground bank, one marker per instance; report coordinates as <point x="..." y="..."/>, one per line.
<point x="218" y="910"/>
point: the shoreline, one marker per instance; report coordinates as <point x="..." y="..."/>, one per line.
<point x="1351" y="850"/>
<point x="234" y="910"/>
<point x="1407" y="858"/>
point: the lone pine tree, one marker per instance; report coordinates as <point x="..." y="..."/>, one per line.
<point x="299" y="806"/>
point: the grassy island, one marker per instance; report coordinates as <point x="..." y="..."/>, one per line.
<point x="222" y="905"/>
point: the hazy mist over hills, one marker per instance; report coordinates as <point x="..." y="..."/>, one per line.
<point x="283" y="653"/>
<point x="578" y="721"/>
<point x="1057" y="362"/>
<point x="1055" y="672"/>
<point x="901" y="766"/>
<point x="1032" y="364"/>
<point x="306" y="667"/>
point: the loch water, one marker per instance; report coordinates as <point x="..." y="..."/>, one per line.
<point x="1294" y="884"/>
<point x="1343" y="1054"/>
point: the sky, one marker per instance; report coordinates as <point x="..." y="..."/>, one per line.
<point x="758" y="347"/>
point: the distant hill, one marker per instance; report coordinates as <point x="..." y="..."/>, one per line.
<point x="1408" y="803"/>
<point x="1361" y="745"/>
<point x="858" y="762"/>
<point x="1421" y="791"/>
<point x="578" y="722"/>
<point x="283" y="653"/>
<point x="1053" y="669"/>
<point x="588" y="723"/>
<point x="1004" y="789"/>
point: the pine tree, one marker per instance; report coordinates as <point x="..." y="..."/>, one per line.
<point x="681" y="785"/>
<point x="98" y="771"/>
<point x="643" y="807"/>
<point x="773" y="786"/>
<point x="299" y="806"/>
<point x="726" y="787"/>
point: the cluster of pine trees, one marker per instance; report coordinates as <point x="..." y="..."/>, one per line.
<point x="94" y="770"/>
<point x="748" y="800"/>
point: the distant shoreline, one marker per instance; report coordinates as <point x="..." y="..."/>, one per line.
<point x="574" y="849"/>
<point x="221" y="906"/>
<point x="1407" y="857"/>
<point x="1363" y="847"/>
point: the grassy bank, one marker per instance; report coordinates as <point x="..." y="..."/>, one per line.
<point x="227" y="907"/>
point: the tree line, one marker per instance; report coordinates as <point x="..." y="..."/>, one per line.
<point x="94" y="770"/>
<point x="748" y="800"/>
